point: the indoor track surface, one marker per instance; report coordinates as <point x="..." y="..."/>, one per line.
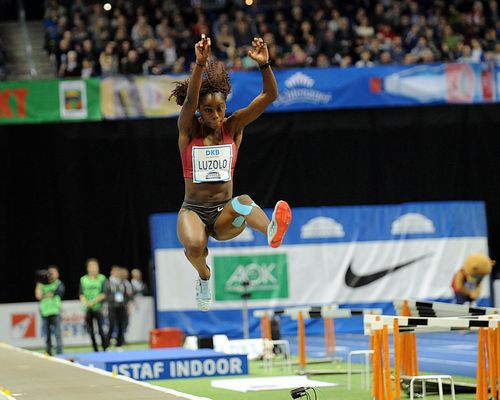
<point x="30" y="376"/>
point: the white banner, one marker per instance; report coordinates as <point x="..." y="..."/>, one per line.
<point x="317" y="272"/>
<point x="21" y="323"/>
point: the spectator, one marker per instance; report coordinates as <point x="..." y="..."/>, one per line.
<point x="297" y="57"/>
<point x="163" y="29"/>
<point x="364" y="29"/>
<point x="169" y="53"/>
<point x="101" y="33"/>
<point x="346" y="61"/>
<point x="92" y="296"/>
<point x="497" y="53"/>
<point x="242" y="34"/>
<point x="225" y="42"/>
<point x="49" y="294"/>
<point x="141" y="31"/>
<point x="385" y="58"/>
<point x="396" y="50"/>
<point x="364" y="60"/>
<point x="131" y="65"/>
<point x="477" y="55"/>
<point x="88" y="50"/>
<point x="329" y="46"/>
<point x="108" y="60"/>
<point x="88" y="68"/>
<point x="117" y="298"/>
<point x="334" y="29"/>
<point x="70" y="66"/>
<point x="466" y="57"/>
<point x="139" y="287"/>
<point x="322" y="61"/>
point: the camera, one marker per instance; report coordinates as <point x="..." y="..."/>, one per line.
<point x="298" y="393"/>
<point x="42" y="276"/>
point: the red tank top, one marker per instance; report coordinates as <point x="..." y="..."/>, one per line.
<point x="187" y="155"/>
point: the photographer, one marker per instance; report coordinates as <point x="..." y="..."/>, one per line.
<point x="92" y="296"/>
<point x="49" y="291"/>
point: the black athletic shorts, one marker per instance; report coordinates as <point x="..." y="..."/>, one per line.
<point x="208" y="212"/>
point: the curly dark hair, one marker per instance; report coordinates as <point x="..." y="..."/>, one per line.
<point x="215" y="80"/>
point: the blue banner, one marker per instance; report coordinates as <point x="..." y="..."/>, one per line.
<point x="383" y="86"/>
<point x="353" y="224"/>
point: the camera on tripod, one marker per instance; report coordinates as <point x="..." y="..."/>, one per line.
<point x="42" y="276"/>
<point x="301" y="392"/>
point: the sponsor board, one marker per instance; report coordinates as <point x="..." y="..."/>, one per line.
<point x="265" y="275"/>
<point x="182" y="368"/>
<point x="73" y="100"/>
<point x="23" y="325"/>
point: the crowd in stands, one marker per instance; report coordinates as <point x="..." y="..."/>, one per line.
<point x="157" y="36"/>
<point x="3" y="62"/>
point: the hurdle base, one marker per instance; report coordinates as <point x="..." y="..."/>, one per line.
<point x="325" y="372"/>
<point x="432" y="387"/>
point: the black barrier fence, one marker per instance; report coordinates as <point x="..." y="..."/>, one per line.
<point x="72" y="191"/>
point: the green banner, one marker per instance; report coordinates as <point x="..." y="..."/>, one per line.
<point x="49" y="101"/>
<point x="266" y="274"/>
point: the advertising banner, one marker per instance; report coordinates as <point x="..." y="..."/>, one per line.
<point x="21" y="324"/>
<point x="351" y="256"/>
<point x="382" y="86"/>
<point x="49" y="101"/>
<point x="300" y="89"/>
<point x="138" y="97"/>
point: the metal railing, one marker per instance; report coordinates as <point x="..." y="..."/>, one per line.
<point x="27" y="42"/>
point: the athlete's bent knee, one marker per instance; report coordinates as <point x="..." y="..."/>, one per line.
<point x="243" y="204"/>
<point x="195" y="248"/>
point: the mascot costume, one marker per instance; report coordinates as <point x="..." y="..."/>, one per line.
<point x="467" y="281"/>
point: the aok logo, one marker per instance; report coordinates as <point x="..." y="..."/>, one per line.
<point x="23" y="325"/>
<point x="266" y="274"/>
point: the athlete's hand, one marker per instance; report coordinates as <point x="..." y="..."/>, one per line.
<point x="259" y="51"/>
<point x="202" y="50"/>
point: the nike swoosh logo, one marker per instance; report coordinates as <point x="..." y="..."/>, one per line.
<point x="219" y="209"/>
<point x="355" y="281"/>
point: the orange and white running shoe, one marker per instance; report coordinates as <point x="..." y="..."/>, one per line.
<point x="282" y="216"/>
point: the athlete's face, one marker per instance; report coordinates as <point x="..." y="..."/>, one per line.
<point x="212" y="108"/>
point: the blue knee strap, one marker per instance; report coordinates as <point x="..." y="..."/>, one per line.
<point x="242" y="209"/>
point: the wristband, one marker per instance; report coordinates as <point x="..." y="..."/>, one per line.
<point x="200" y="65"/>
<point x="264" y="66"/>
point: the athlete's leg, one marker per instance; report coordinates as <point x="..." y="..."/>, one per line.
<point x="237" y="213"/>
<point x="242" y="209"/>
<point x="193" y="235"/>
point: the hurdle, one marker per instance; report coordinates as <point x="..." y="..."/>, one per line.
<point x="328" y="313"/>
<point x="380" y="326"/>
<point x="439" y="309"/>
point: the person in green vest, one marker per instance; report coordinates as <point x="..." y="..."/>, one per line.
<point x="91" y="296"/>
<point x="49" y="295"/>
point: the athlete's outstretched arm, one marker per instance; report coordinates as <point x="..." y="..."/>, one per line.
<point x="244" y="116"/>
<point x="185" y="121"/>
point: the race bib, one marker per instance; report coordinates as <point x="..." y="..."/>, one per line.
<point x="119" y="298"/>
<point x="212" y="163"/>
